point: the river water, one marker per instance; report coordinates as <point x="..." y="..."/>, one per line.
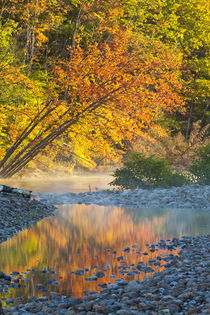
<point x="91" y="237"/>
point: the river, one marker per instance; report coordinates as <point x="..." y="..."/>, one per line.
<point x="90" y="238"/>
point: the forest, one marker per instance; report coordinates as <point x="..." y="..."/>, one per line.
<point x="83" y="83"/>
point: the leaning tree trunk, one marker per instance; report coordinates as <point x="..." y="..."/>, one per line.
<point x="16" y="159"/>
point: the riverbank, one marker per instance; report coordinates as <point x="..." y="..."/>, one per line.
<point x="18" y="213"/>
<point x="186" y="197"/>
<point x="182" y="288"/>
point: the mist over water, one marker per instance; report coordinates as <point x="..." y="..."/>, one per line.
<point x="75" y="182"/>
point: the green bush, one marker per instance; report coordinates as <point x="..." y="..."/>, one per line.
<point x="200" y="166"/>
<point x="175" y="180"/>
<point x="141" y="172"/>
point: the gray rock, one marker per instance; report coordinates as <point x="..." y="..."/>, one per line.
<point x="91" y="278"/>
<point x="100" y="274"/>
<point x="79" y="272"/>
<point x="132" y="286"/>
<point x="43" y="299"/>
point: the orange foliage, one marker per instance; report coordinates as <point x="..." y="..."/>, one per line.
<point x="121" y="87"/>
<point x="103" y="97"/>
<point x="80" y="235"/>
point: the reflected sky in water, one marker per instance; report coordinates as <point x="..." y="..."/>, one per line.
<point x="80" y="236"/>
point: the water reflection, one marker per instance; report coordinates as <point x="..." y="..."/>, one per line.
<point x="80" y="237"/>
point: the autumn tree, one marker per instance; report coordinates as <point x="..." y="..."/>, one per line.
<point x="25" y="30"/>
<point x="16" y="89"/>
<point x="111" y="91"/>
<point x="183" y="24"/>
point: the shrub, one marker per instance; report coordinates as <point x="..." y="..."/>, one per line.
<point x="176" y="180"/>
<point x="200" y="166"/>
<point x="141" y="172"/>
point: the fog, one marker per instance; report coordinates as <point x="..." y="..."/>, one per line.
<point x="76" y="182"/>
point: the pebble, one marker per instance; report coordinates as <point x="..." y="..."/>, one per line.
<point x="91" y="278"/>
<point x="182" y="288"/>
<point x="192" y="196"/>
<point x="100" y="274"/>
<point x="18" y="213"/>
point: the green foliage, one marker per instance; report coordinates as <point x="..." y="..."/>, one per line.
<point x="142" y="172"/>
<point x="183" y="24"/>
<point x="200" y="166"/>
<point x="175" y="180"/>
<point x="7" y="31"/>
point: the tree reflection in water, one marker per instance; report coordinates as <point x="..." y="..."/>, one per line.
<point x="81" y="236"/>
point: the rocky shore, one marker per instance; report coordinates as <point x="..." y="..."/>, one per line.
<point x="193" y="197"/>
<point x="18" y="212"/>
<point x="182" y="288"/>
